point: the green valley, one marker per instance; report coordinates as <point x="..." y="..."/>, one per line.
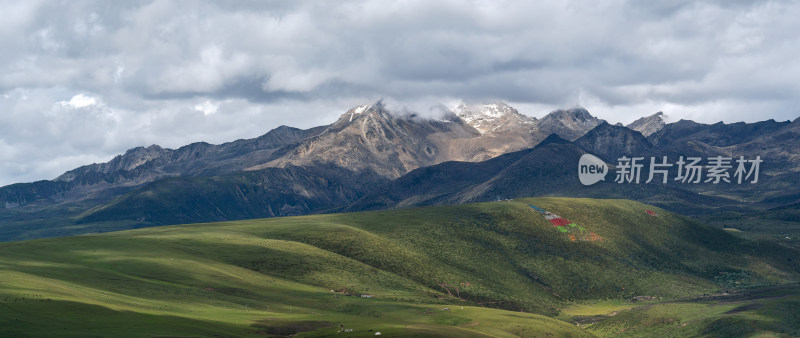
<point x="485" y="269"/>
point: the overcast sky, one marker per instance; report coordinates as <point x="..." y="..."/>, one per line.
<point x="82" y="81"/>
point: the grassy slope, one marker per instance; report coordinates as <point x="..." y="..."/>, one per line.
<point x="770" y="311"/>
<point x="275" y="276"/>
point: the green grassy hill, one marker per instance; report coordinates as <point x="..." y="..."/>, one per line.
<point x="487" y="269"/>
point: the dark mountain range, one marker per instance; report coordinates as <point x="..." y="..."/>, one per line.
<point x="196" y="159"/>
<point x="371" y="158"/>
<point x="690" y="136"/>
<point x="364" y="138"/>
<point x="100" y="182"/>
<point x="268" y="192"/>
<point x="549" y="169"/>
<point x="780" y="145"/>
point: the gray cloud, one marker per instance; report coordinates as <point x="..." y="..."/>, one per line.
<point x="81" y="81"/>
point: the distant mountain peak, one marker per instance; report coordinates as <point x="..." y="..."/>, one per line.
<point x="569" y="123"/>
<point x="362" y="110"/>
<point x="354" y="113"/>
<point x="610" y="142"/>
<point x="151" y="148"/>
<point x="579" y="113"/>
<point x="283" y="127"/>
<point x="132" y="159"/>
<point x="492" y="117"/>
<point x="495" y="109"/>
<point x="649" y="124"/>
<point x="373" y="139"/>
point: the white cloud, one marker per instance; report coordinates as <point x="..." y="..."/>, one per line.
<point x="207" y="107"/>
<point x="79" y="101"/>
<point x="86" y="80"/>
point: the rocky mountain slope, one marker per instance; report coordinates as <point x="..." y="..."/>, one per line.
<point x="495" y="118"/>
<point x="102" y="181"/>
<point x="612" y="142"/>
<point x="649" y="124"/>
<point x="502" y="129"/>
<point x="374" y="139"/>
<point x="569" y="124"/>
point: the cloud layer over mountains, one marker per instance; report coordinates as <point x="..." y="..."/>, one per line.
<point x="81" y="81"/>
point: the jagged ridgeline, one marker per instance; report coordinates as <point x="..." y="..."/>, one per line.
<point x="437" y="271"/>
<point x="373" y="158"/>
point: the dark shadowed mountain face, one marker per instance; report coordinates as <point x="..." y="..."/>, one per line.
<point x="262" y="193"/>
<point x="683" y="132"/>
<point x="549" y="169"/>
<point x="776" y="143"/>
<point x="549" y="165"/>
<point x="612" y="142"/>
<point x="781" y="147"/>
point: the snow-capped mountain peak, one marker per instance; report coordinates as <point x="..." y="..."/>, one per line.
<point x="488" y="118"/>
<point x="358" y="111"/>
